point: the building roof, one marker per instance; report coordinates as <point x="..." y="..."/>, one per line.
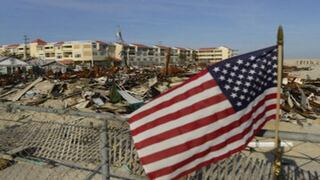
<point x="13" y="45"/>
<point x="3" y="57"/>
<point x="162" y="47"/>
<point x="39" y="41"/>
<point x="38" y="62"/>
<point x="56" y="63"/>
<point x="101" y="42"/>
<point x="10" y="61"/>
<point x="59" y="43"/>
<point x="180" y="48"/>
<point x="66" y="62"/>
<point x="207" y="49"/>
<point x="140" y="45"/>
<point x="120" y="43"/>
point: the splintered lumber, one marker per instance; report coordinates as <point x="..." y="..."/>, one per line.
<point x="21" y="93"/>
<point x="8" y="92"/>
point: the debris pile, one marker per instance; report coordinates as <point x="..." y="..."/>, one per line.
<point x="116" y="90"/>
<point x="301" y="100"/>
<point x="121" y="90"/>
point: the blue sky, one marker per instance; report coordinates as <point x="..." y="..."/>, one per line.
<point x="244" y="25"/>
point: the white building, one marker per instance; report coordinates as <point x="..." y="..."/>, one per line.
<point x="214" y="54"/>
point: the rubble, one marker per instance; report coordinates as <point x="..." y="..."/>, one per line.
<point x="301" y="100"/>
<point x="123" y="90"/>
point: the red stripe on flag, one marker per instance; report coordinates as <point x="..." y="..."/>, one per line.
<point x="229" y="153"/>
<point x="187" y="94"/>
<point x="172" y="168"/>
<point x="177" y="114"/>
<point x="193" y="78"/>
<point x="185" y="128"/>
<point x="201" y="140"/>
<point x="208" y="137"/>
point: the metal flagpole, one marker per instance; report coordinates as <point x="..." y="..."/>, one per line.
<point x="277" y="157"/>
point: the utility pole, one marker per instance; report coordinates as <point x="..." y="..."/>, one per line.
<point x="26" y="41"/>
<point x="168" y="57"/>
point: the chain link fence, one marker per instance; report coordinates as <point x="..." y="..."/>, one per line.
<point x="42" y="145"/>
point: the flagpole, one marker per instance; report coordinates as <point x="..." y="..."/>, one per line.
<point x="277" y="157"/>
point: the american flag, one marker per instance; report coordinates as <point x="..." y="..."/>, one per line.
<point x="209" y="117"/>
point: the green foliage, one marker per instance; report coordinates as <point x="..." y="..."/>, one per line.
<point x="115" y="97"/>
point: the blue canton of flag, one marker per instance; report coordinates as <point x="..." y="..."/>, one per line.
<point x="245" y="77"/>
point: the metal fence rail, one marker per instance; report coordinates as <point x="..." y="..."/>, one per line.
<point x="240" y="167"/>
<point x="67" y="151"/>
<point x="69" y="143"/>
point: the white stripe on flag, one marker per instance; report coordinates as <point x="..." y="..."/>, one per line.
<point x="206" y="77"/>
<point x="205" y="94"/>
<point x="202" y="113"/>
<point x="196" y="133"/>
<point x="172" y="142"/>
<point x="222" y="138"/>
<point x="218" y="153"/>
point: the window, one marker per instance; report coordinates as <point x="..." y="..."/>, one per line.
<point x="67" y="46"/>
<point x="77" y="55"/>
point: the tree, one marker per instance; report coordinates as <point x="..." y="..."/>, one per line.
<point x="182" y="59"/>
<point x="7" y="53"/>
<point x="194" y="56"/>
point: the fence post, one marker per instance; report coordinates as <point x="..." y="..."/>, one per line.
<point x="105" y="171"/>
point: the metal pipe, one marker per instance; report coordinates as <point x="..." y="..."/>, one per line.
<point x="294" y="136"/>
<point x="105" y="171"/>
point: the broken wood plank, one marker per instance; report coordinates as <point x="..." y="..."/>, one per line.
<point x="8" y="92"/>
<point x="21" y="93"/>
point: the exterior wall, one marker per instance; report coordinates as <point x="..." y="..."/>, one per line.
<point x="214" y="55"/>
<point x="33" y="49"/>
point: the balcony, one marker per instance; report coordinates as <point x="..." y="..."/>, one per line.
<point x="68" y="55"/>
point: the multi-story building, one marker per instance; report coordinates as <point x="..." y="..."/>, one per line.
<point x="75" y="51"/>
<point x="214" y="54"/>
<point x="89" y="52"/>
<point x="16" y="49"/>
<point x="184" y="56"/>
<point x="144" y="55"/>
